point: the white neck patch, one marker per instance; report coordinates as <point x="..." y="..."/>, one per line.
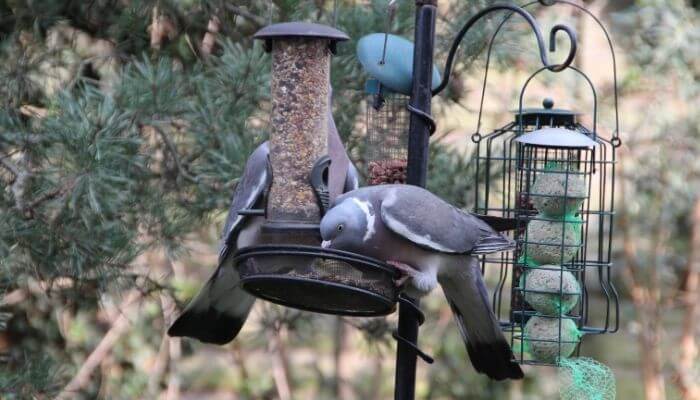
<point x="368" y="210"/>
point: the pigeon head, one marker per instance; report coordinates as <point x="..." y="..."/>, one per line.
<point x="348" y="225"/>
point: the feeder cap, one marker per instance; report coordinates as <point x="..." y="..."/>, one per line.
<point x="396" y="73"/>
<point x="300" y="29"/>
<point x="557" y="137"/>
<point x="548" y="115"/>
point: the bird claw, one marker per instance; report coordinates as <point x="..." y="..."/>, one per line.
<point x="401" y="281"/>
<point x="407" y="272"/>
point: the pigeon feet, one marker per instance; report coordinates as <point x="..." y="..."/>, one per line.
<point x="407" y="272"/>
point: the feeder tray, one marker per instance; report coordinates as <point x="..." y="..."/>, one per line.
<point x="320" y="280"/>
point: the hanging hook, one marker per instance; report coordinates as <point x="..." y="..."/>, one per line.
<point x="615" y="141"/>
<point x="391" y="12"/>
<point x="553" y="46"/>
<point x="535" y="28"/>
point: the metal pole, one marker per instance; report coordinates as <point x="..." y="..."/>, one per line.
<point x="419" y="135"/>
<point x="421" y="94"/>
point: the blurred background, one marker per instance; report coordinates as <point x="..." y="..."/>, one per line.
<point x="126" y="123"/>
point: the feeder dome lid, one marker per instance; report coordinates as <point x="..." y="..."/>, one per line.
<point x="396" y="73"/>
<point x="300" y="29"/>
<point x="548" y="115"/>
<point x="557" y="137"/>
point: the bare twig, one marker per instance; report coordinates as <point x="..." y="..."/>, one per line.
<point x="686" y="382"/>
<point x="156" y="373"/>
<point x="119" y="327"/>
<point x="280" y="364"/>
<point x="10" y="166"/>
<point x="160" y="28"/>
<point x="33" y="111"/>
<point x="255" y="19"/>
<point x="173" y="152"/>
<point x="209" y="39"/>
<point x="174" y="344"/>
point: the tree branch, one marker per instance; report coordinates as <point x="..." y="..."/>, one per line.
<point x="684" y="379"/>
<point x="209" y="39"/>
<point x="258" y="21"/>
<point x="119" y="327"/>
<point x="172" y="149"/>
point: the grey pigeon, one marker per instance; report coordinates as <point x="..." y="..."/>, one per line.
<point x="218" y="312"/>
<point x="431" y="242"/>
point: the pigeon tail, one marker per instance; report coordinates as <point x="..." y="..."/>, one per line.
<point x="499" y="224"/>
<point x="488" y="349"/>
<point x="219" y="310"/>
<point x="492" y="243"/>
<point x="208" y="326"/>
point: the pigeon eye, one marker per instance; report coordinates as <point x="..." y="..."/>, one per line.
<point x="340" y="227"/>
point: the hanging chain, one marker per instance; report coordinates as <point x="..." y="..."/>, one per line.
<point x="335" y="13"/>
<point x="269" y="12"/>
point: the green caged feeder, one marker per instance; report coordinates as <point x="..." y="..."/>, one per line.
<point x="556" y="177"/>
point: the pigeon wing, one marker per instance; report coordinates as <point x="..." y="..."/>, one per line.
<point x="430" y="222"/>
<point x="250" y="188"/>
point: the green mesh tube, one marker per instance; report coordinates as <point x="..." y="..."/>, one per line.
<point x="584" y="378"/>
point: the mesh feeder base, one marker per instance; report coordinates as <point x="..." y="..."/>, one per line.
<point x="319" y="280"/>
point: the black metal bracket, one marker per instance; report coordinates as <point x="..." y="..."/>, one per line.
<point x="318" y="177"/>
<point x="420" y="317"/>
<point x="252" y="211"/>
<point x="427" y="117"/>
<point x="428" y="359"/>
<point x="535" y="28"/>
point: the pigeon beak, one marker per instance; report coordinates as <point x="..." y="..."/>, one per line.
<point x="326" y="244"/>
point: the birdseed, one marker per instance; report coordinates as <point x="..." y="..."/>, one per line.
<point x="300" y="84"/>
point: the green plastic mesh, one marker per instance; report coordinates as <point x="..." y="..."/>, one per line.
<point x="583" y="378"/>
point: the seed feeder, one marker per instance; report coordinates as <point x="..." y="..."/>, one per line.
<point x="555" y="176"/>
<point x="294" y="270"/>
<point x="388" y="60"/>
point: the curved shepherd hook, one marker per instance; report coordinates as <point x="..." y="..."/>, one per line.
<point x="533" y="24"/>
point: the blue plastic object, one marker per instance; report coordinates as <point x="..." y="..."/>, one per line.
<point x="397" y="71"/>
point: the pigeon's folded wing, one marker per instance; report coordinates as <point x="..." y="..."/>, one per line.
<point x="432" y="223"/>
<point x="255" y="180"/>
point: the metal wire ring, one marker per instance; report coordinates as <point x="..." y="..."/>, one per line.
<point x="476" y="137"/>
